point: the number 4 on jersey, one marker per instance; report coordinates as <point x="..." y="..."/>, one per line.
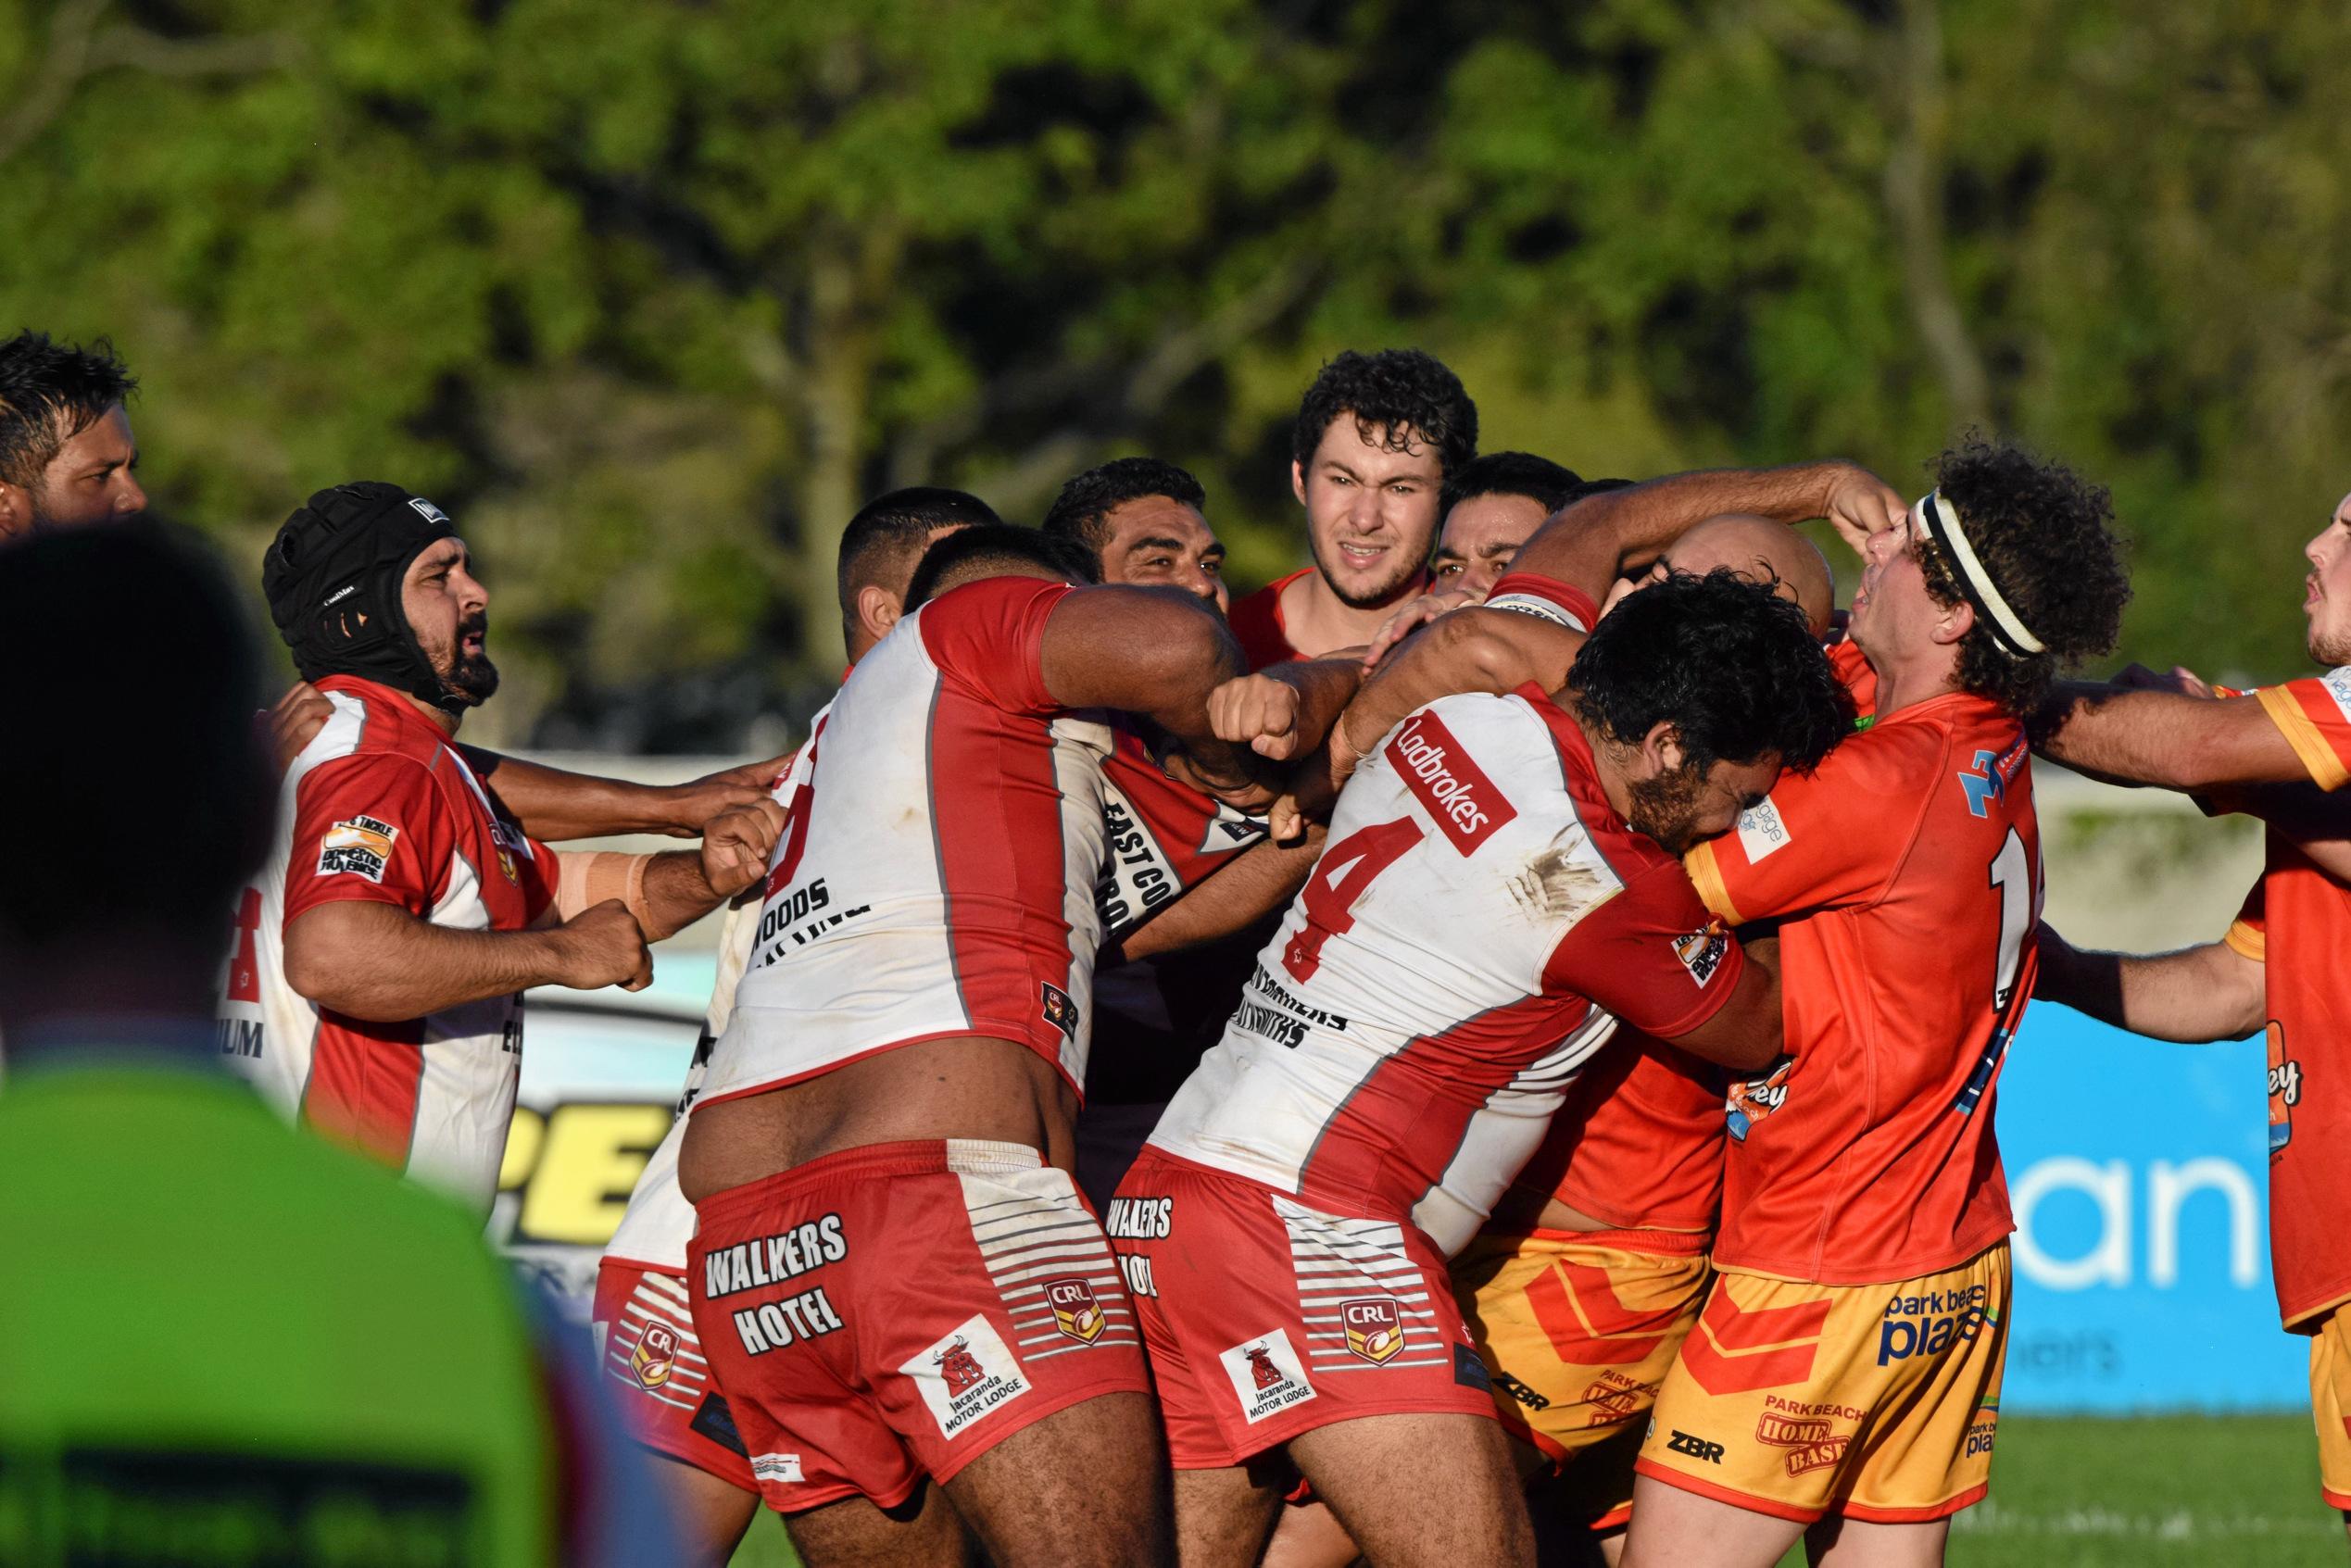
<point x="1339" y="880"/>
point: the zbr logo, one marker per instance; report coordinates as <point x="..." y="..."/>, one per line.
<point x="1986" y="778"/>
<point x="1374" y="1328"/>
<point x="1075" y="1313"/>
<point x="2285" y="1091"/>
<point x="655" y="1356"/>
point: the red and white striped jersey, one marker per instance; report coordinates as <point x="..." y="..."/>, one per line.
<point x="938" y="875"/>
<point x="1444" y="975"/>
<point x="379" y="808"/>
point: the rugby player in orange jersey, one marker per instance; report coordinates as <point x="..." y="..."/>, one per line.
<point x="1591" y="1272"/>
<point x="2280" y="964"/>
<point x="1375" y="441"/>
<point x="1847" y="1224"/>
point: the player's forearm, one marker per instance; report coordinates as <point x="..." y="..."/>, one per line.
<point x="2166" y="739"/>
<point x="1262" y="878"/>
<point x="1325" y="687"/>
<point x="676" y="894"/>
<point x="2194" y="995"/>
<point x="556" y="807"/>
<point x="384" y="965"/>
<point x="1470" y="651"/>
<point x="1594" y="541"/>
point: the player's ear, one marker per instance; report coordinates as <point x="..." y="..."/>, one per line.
<point x="1661" y="749"/>
<point x="1297" y="480"/>
<point x="15" y="512"/>
<point x="1957" y="620"/>
<point x="878" y="611"/>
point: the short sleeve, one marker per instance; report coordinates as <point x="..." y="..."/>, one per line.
<point x="2314" y="714"/>
<point x="1818" y="841"/>
<point x="542" y="874"/>
<point x="1547" y="599"/>
<point x="2249" y="932"/>
<point x="1652" y="955"/>
<point x="989" y="637"/>
<point x="371" y="827"/>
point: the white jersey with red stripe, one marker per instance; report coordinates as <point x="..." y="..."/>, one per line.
<point x="1477" y="924"/>
<point x="938" y="875"/>
<point x="379" y="808"/>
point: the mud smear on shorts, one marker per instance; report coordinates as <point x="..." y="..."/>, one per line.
<point x="1554" y="885"/>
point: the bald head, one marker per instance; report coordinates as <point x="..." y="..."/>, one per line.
<point x="1763" y="550"/>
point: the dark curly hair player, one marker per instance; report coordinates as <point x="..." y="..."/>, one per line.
<point x="1377" y="438"/>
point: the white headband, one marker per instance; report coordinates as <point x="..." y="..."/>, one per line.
<point x="1941" y="523"/>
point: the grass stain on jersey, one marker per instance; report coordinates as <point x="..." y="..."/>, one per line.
<point x="1555" y="885"/>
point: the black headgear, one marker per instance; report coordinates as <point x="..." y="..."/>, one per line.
<point x="332" y="579"/>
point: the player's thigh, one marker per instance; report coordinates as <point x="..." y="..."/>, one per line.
<point x="1224" y="1517"/>
<point x="710" y="1514"/>
<point x="922" y="1532"/>
<point x="1838" y="1542"/>
<point x="1435" y="1488"/>
<point x="1673" y="1528"/>
<point x="2330" y="1405"/>
<point x="1310" y="1535"/>
<point x="1085" y="1485"/>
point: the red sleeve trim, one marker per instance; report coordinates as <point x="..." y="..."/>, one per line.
<point x="1530" y="593"/>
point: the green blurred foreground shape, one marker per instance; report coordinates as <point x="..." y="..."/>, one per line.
<point x="2153" y="1492"/>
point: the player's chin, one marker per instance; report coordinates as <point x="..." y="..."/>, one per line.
<point x="1381" y="583"/>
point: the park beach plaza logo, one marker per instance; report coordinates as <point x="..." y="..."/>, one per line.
<point x="1266" y="1375"/>
<point x="966" y="1374"/>
<point x="1438" y="770"/>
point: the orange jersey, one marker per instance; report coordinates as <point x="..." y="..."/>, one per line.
<point x="1907" y="872"/>
<point x="2315" y="716"/>
<point x="1639" y="1143"/>
<point x="2297" y="921"/>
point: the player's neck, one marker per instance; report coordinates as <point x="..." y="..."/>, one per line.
<point x="1317" y="621"/>
<point x="1907" y="682"/>
<point x="447" y="721"/>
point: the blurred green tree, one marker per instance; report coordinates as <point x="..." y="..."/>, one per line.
<point x="654" y="295"/>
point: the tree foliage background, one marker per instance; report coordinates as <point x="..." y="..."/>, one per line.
<point x="651" y="292"/>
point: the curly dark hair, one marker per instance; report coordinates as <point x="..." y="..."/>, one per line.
<point x="2046" y="536"/>
<point x="1079" y="513"/>
<point x="1396" y="387"/>
<point x="1728" y="662"/>
<point x="1510" y="473"/>
<point x="965" y="555"/>
<point x="49" y="393"/>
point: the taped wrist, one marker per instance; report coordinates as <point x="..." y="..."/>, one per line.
<point x="588" y="880"/>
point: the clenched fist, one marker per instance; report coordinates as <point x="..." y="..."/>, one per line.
<point x="736" y="844"/>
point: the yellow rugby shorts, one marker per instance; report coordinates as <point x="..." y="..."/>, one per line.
<point x="2330" y="1404"/>
<point x="1879" y="1402"/>
<point x="1579" y="1328"/>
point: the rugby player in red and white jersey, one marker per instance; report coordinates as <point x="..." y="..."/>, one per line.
<point x="1375" y="440"/>
<point x="2279" y="967"/>
<point x="1499" y="887"/>
<point x="881" y="1141"/>
<point x="1492" y="506"/>
<point x="644" y="1335"/>
<point x="375" y="988"/>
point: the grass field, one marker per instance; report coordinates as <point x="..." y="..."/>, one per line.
<point x="2214" y="1491"/>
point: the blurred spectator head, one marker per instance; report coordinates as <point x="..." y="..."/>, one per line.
<point x="67" y="454"/>
<point x="134" y="779"/>
<point x="1143" y="520"/>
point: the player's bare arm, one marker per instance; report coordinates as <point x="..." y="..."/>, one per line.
<point x="668" y="892"/>
<point x="381" y="964"/>
<point x="2166" y="739"/>
<point x="555" y="806"/>
<point x="1480" y="650"/>
<point x="2194" y="995"/>
<point x="1262" y="878"/>
<point x="1284" y="711"/>
<point x="1158" y="653"/>
<point x="1593" y="541"/>
<point x="1749" y="1032"/>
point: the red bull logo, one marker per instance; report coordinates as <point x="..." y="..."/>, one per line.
<point x="1075" y="1313"/>
<point x="960" y="1368"/>
<point x="1374" y="1328"/>
<point x="655" y="1356"/>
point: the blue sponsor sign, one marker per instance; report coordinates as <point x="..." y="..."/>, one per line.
<point x="2139" y="1171"/>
